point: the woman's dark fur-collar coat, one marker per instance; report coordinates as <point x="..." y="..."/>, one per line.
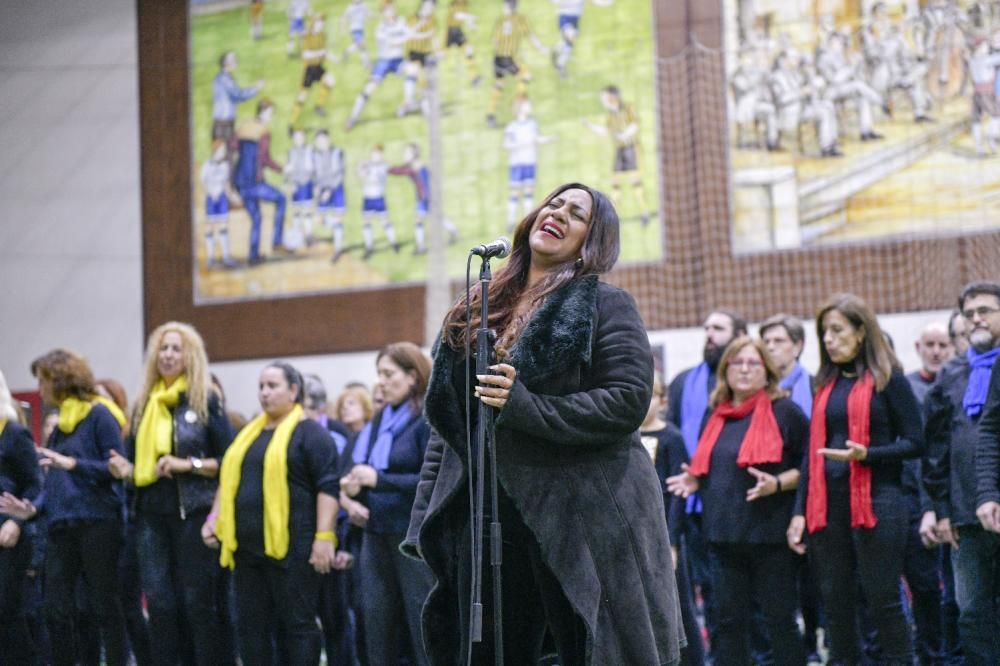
<point x="570" y="458"/>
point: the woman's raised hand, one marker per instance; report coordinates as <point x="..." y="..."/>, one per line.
<point x="494" y="390"/>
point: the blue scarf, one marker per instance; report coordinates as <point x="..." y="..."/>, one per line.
<point x="979" y="380"/>
<point x="693" y="406"/>
<point x="392" y="422"/>
<point x="798" y="383"/>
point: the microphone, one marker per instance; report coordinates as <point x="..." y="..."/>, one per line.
<point x="499" y="248"/>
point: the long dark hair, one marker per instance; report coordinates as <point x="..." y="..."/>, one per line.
<point x="875" y="354"/>
<point x="598" y="254"/>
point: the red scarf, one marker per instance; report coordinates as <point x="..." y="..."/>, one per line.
<point x="761" y="444"/>
<point x="859" y="413"/>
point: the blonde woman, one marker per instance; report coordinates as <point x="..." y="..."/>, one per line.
<point x="19" y="476"/>
<point x="179" y="433"/>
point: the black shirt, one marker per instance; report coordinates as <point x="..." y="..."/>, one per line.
<point x="896" y="433"/>
<point x="727" y="516"/>
<point x="312" y="469"/>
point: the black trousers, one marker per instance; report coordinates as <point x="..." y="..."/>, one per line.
<point x="921" y="568"/>
<point x="533" y="600"/>
<point x="393" y="590"/>
<point x="840" y="555"/>
<point x="276" y="606"/>
<point x="15" y="637"/>
<point x="693" y="654"/>
<point x="742" y="574"/>
<point x="335" y="617"/>
<point x="179" y="576"/>
<point x="89" y="549"/>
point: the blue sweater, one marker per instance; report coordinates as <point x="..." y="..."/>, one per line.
<point x="88" y="492"/>
<point x="392" y="497"/>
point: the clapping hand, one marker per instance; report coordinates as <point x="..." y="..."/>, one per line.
<point x="21" y="509"/>
<point x="53" y="460"/>
<point x="767" y="484"/>
<point x="119" y="466"/>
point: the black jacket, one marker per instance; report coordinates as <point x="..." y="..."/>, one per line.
<point x="194" y="437"/>
<point x="949" y="469"/>
<point x="570" y="459"/>
<point x="988" y="444"/>
<point x="19" y="473"/>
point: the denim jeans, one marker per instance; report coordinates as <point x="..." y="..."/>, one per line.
<point x="89" y="549"/>
<point x="393" y="591"/>
<point x="252" y="196"/>
<point x="976" y="587"/>
<point x="179" y="575"/>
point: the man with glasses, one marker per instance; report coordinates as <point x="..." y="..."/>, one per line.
<point x="962" y="412"/>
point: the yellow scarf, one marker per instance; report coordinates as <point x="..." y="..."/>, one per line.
<point x="72" y="410"/>
<point x="276" y="501"/>
<point x="155" y="436"/>
<point x="3" y="425"/>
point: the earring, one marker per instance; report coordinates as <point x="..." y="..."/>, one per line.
<point x="579" y="262"/>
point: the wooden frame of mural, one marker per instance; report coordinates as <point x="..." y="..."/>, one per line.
<point x="699" y="270"/>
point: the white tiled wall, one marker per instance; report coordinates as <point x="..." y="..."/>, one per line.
<point x="70" y="265"/>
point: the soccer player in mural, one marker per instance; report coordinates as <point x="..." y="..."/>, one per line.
<point x="256" y="19"/>
<point x="298" y="10"/>
<point x="941" y="37"/>
<point x="458" y="21"/>
<point x="509" y="32"/>
<point x="390" y="40"/>
<point x="418" y="173"/>
<point x="983" y="71"/>
<point x="798" y="94"/>
<point x="314" y="56"/>
<point x="215" y="180"/>
<point x="227" y="95"/>
<point x="569" y="13"/>
<point x="422" y="27"/>
<point x="300" y="169"/>
<point x="330" y="167"/>
<point x="521" y="138"/>
<point x="845" y="84"/>
<point x="373" y="173"/>
<point x="622" y="126"/>
<point x="253" y="141"/>
<point x="353" y="19"/>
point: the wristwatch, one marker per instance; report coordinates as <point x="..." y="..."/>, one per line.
<point x="196" y="464"/>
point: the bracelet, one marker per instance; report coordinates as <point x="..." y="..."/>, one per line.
<point x="777" y="480"/>
<point x="326" y="536"/>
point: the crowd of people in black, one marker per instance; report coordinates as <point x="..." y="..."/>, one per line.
<point x="859" y="501"/>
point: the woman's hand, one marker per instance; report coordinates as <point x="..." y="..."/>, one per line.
<point x="767" y="484"/>
<point x="10" y="533"/>
<point x="365" y="475"/>
<point x="349" y="485"/>
<point x="854" y="451"/>
<point x="17" y="508"/>
<point x="343" y="560"/>
<point x="208" y="532"/>
<point x="494" y="390"/>
<point x="794" y="533"/>
<point x="357" y="513"/>
<point x="167" y="466"/>
<point x="119" y="466"/>
<point x="683" y="484"/>
<point x="51" y="459"/>
<point x="322" y="556"/>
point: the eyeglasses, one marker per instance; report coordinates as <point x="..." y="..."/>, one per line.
<point x="749" y="364"/>
<point x="983" y="311"/>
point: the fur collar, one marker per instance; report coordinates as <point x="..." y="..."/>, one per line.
<point x="557" y="337"/>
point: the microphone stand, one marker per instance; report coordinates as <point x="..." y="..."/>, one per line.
<point x="485" y="439"/>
